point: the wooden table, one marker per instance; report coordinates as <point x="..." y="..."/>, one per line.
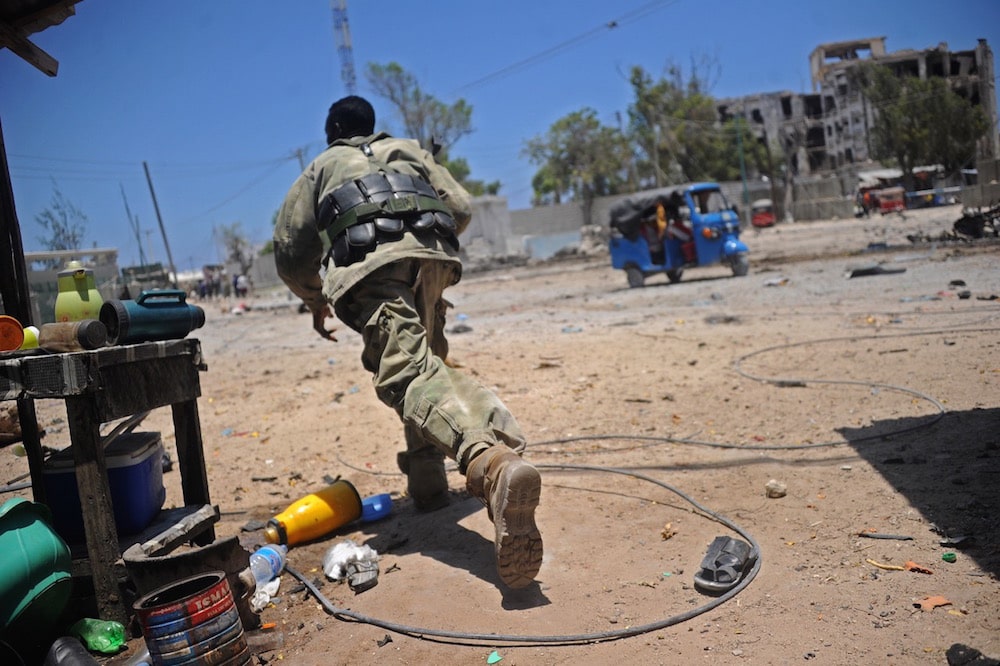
<point x="101" y="386"/>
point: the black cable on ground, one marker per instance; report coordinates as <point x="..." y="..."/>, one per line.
<point x="477" y="638"/>
<point x="568" y="639"/>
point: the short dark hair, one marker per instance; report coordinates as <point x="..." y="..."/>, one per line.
<point x="349" y="116"/>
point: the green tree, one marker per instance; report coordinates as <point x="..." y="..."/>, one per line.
<point x="435" y="125"/>
<point x="64" y="224"/>
<point x="919" y="121"/>
<point x="238" y="247"/>
<point x="461" y="171"/>
<point x="424" y="117"/>
<point x="675" y="126"/>
<point x="268" y="247"/>
<point x="579" y="159"/>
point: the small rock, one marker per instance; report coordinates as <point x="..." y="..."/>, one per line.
<point x="775" y="489"/>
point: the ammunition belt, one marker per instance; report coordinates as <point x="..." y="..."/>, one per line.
<point x="380" y="207"/>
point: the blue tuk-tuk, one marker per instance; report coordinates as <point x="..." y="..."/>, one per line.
<point x="695" y="226"/>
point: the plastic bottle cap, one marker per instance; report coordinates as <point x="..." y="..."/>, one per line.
<point x="92" y="334"/>
<point x="30" y="338"/>
<point x="271" y="534"/>
<point x="375" y="507"/>
<point x="11" y="333"/>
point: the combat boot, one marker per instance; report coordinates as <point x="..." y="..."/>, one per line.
<point x="510" y="489"/>
<point x="426" y="479"/>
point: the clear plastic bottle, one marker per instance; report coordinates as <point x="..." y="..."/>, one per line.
<point x="267" y="562"/>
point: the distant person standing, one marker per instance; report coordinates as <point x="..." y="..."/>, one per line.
<point x="392" y="216"/>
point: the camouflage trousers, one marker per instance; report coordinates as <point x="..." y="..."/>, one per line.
<point x="400" y="312"/>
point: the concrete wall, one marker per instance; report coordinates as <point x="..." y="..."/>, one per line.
<point x="539" y="230"/>
<point x="986" y="192"/>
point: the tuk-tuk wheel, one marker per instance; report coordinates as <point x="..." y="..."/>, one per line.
<point x="740" y="264"/>
<point x="675" y="274"/>
<point x="635" y="277"/>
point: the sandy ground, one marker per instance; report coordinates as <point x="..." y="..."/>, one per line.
<point x="874" y="400"/>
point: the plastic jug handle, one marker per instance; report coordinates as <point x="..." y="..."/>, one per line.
<point x="178" y="294"/>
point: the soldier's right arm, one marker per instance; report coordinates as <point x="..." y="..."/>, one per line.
<point x="298" y="249"/>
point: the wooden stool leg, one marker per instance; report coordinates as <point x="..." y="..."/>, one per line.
<point x="95" y="503"/>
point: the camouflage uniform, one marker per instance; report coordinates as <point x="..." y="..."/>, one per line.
<point x="393" y="297"/>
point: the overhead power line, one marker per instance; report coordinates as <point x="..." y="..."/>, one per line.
<point x="624" y="19"/>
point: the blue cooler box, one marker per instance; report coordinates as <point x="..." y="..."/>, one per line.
<point x="135" y="478"/>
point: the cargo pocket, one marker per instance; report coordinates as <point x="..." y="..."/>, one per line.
<point x="436" y="425"/>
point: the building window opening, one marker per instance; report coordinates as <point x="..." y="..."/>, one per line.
<point x="813" y="106"/>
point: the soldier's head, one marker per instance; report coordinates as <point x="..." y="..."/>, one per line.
<point x="349" y="116"/>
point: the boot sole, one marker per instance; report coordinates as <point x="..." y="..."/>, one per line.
<point x="518" y="541"/>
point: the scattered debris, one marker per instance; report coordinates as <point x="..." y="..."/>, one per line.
<point x="916" y="568"/>
<point x="337" y="564"/>
<point x="722" y="319"/>
<point x="979" y="224"/>
<point x="950" y="558"/>
<point x="385" y="640"/>
<point x="887" y="567"/>
<point x="878" y="269"/>
<point x="776" y="282"/>
<point x="961" y="655"/>
<point x="930" y="603"/>
<point x="878" y="535"/>
<point x="668" y="531"/>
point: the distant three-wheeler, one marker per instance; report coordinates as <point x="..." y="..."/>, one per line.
<point x="668" y="231"/>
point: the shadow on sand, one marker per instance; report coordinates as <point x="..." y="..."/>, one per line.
<point x="949" y="471"/>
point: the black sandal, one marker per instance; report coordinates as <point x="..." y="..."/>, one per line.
<point x="724" y="564"/>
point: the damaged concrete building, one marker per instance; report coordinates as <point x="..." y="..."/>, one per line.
<point x="827" y="131"/>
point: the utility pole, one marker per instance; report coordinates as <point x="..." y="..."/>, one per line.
<point x="163" y="231"/>
<point x="743" y="170"/>
<point x="656" y="152"/>
<point x="134" y="223"/>
<point x="149" y="246"/>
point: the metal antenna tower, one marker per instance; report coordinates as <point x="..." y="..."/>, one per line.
<point x="342" y="35"/>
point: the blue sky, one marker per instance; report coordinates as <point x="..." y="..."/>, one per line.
<point x="217" y="97"/>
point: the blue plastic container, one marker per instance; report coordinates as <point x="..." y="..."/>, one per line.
<point x="135" y="479"/>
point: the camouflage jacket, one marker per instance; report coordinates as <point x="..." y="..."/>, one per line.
<point x="299" y="247"/>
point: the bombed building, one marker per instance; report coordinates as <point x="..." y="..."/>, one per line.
<point x="829" y="128"/>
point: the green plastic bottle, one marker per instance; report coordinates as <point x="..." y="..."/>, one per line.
<point x="104" y="636"/>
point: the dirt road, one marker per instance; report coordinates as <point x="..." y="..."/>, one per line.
<point x="875" y="401"/>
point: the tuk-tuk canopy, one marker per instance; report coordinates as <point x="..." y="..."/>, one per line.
<point x="628" y="214"/>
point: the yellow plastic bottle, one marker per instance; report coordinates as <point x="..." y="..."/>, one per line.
<point x="315" y="515"/>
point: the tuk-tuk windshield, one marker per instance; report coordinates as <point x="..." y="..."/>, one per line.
<point x="710" y="201"/>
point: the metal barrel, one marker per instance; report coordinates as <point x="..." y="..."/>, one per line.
<point x="193" y="621"/>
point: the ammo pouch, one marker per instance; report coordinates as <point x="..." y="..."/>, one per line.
<point x="381" y="207"/>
